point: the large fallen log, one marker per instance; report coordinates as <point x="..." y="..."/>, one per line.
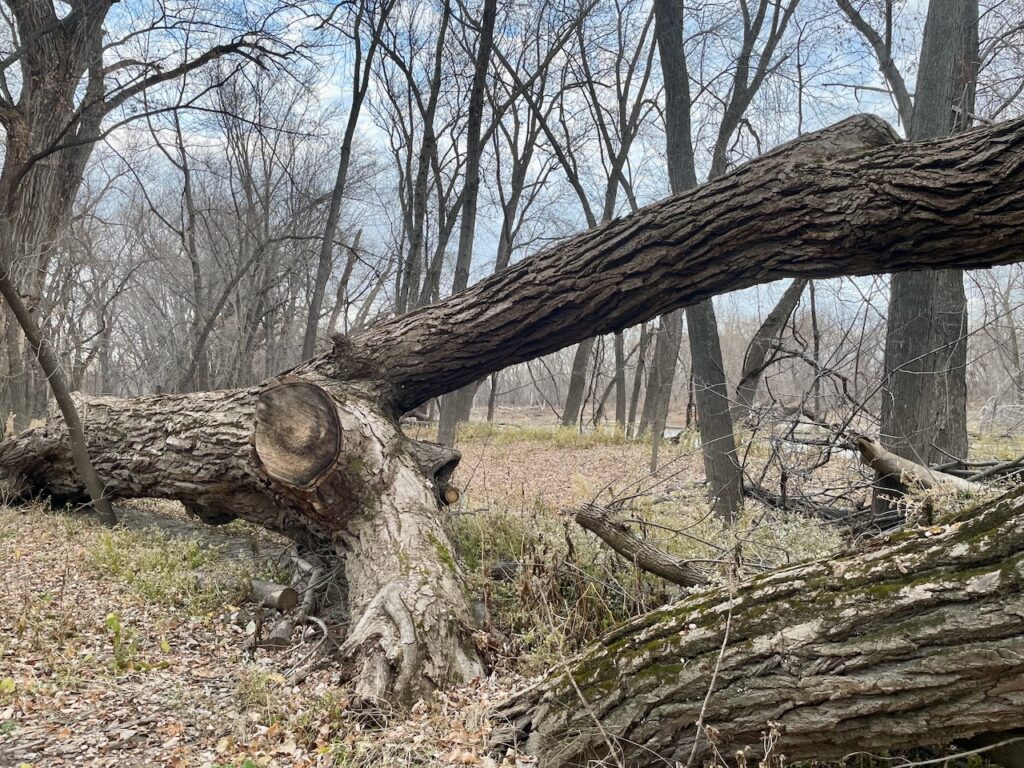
<point x="918" y="642"/>
<point x="317" y="453"/>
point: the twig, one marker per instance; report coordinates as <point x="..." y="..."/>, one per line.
<point x="935" y="760"/>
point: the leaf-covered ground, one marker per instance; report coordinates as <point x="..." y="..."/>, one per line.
<point x="109" y="658"/>
<point x="111" y="655"/>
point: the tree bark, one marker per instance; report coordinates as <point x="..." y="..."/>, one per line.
<point x="577" y="383"/>
<point x="718" y="443"/>
<point x="903" y="473"/>
<point x="848" y="200"/>
<point x="917" y="643"/>
<point x="924" y="390"/>
<point x="317" y="453"/>
<point x="317" y="463"/>
<point x="758" y="355"/>
<point x="638" y="378"/>
<point x="643" y="554"/>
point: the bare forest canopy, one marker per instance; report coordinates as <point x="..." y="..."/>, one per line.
<point x="243" y="248"/>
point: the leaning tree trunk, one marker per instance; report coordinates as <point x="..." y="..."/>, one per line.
<point x="917" y="643"/>
<point x="317" y="452"/>
<point x="760" y="351"/>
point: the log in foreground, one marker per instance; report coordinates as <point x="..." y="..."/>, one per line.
<point x="317" y="453"/>
<point x="918" y="642"/>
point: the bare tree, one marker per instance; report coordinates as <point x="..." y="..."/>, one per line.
<point x="372" y="15"/>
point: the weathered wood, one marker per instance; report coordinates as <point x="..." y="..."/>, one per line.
<point x="297" y="436"/>
<point x="376" y="507"/>
<point x="906" y="473"/>
<point x="919" y="642"/>
<point x="280" y="597"/>
<point x="643" y="554"/>
<point x="810" y="209"/>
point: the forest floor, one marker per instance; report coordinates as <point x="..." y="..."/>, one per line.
<point x="111" y="655"/>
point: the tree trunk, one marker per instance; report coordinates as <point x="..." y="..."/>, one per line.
<point x="682" y="175"/>
<point x="718" y="444"/>
<point x="456" y="406"/>
<point x="848" y="200"/>
<point x="317" y="463"/>
<point x="318" y="453"/>
<point x="620" y="382"/>
<point x="918" y="643"/>
<point x="924" y="391"/>
<point x="759" y="351"/>
<point x="577" y="383"/>
<point x="638" y="378"/>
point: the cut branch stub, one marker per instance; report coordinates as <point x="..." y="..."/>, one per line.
<point x="308" y="443"/>
<point x="298" y="435"/>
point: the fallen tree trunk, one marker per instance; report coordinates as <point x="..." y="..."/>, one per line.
<point x="317" y="453"/>
<point x="320" y="464"/>
<point x="917" y="643"/>
<point x="906" y="474"/>
<point x="848" y="200"/>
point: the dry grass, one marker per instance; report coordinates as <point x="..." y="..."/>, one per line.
<point x="111" y="656"/>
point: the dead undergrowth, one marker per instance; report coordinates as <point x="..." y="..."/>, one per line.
<point x="111" y="654"/>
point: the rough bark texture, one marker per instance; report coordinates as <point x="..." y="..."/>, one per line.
<point x="924" y="392"/>
<point x="918" y="642"/>
<point x="577" y="383"/>
<point x="682" y="175"/>
<point x="808" y="209"/>
<point x="372" y="493"/>
<point x="315" y="461"/>
<point x="717" y="441"/>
